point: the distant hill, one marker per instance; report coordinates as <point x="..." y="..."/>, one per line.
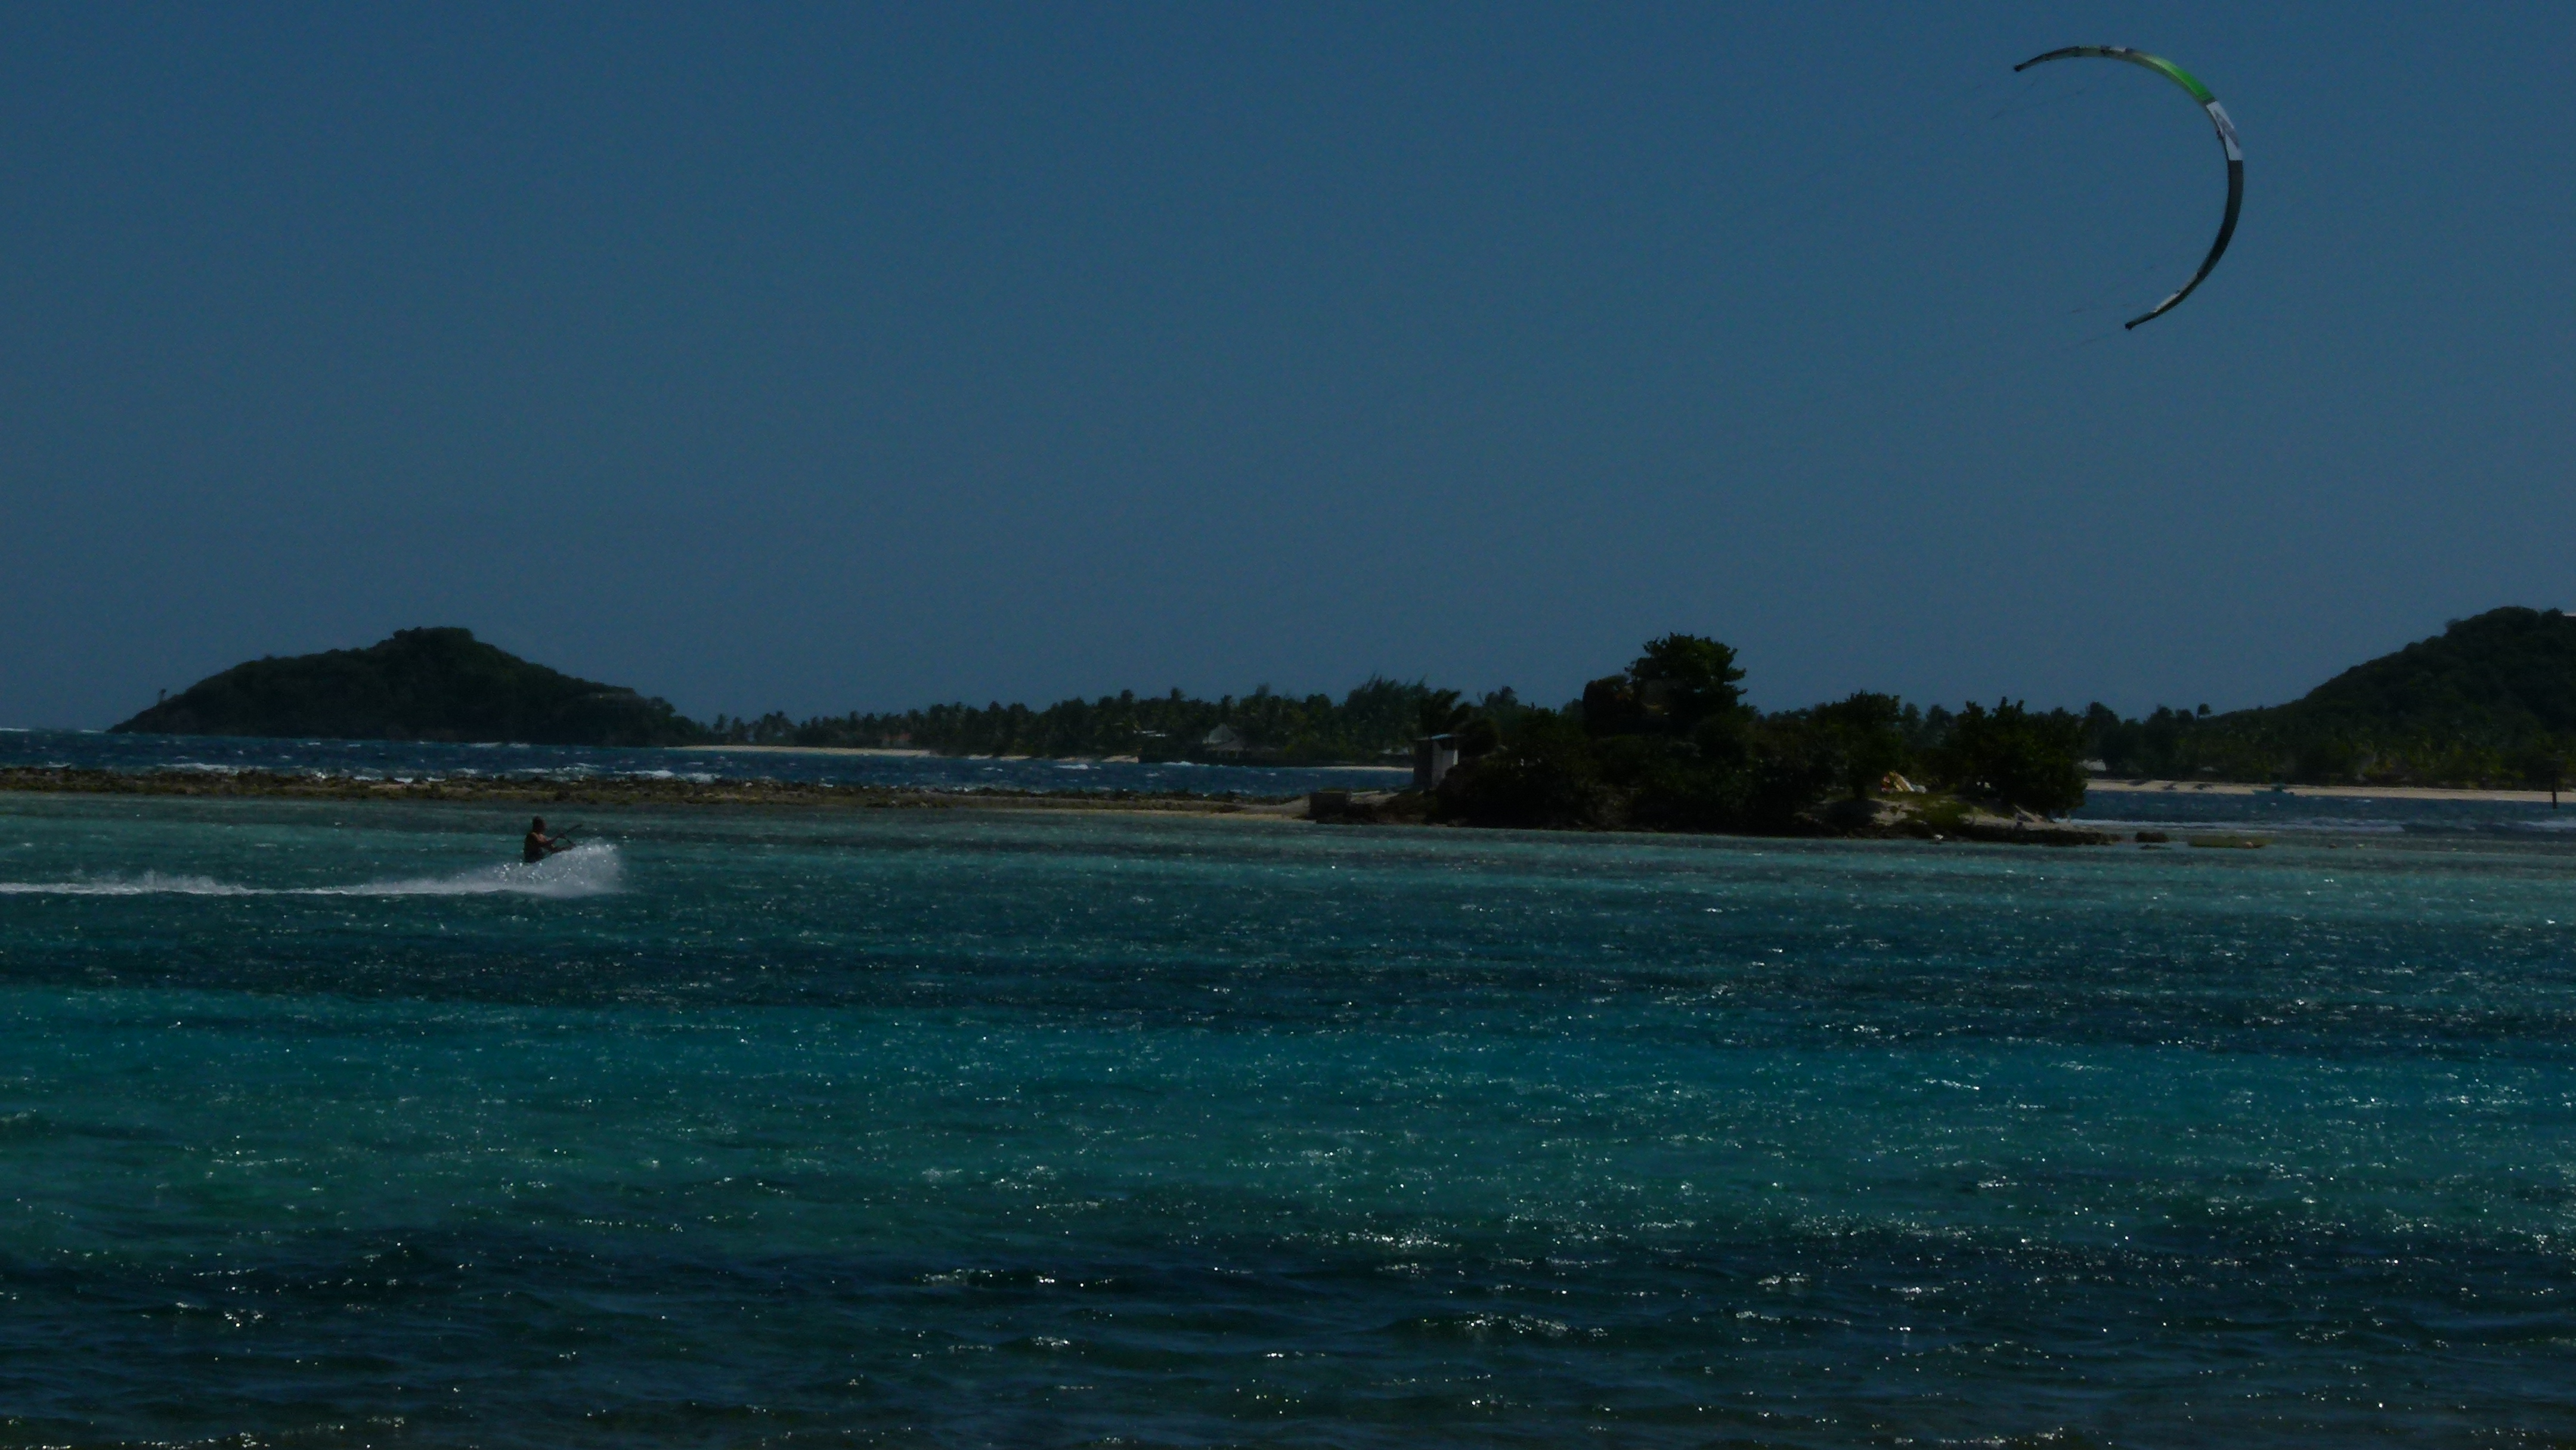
<point x="422" y="684"/>
<point x="2491" y="699"/>
<point x="2502" y="676"/>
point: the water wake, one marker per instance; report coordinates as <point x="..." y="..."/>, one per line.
<point x="590" y="869"/>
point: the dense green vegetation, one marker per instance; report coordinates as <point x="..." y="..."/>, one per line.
<point x="422" y="684"/>
<point x="1669" y="744"/>
<point x="2489" y="701"/>
<point x="1374" y="722"/>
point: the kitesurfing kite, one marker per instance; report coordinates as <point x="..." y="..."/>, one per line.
<point x="2226" y="142"/>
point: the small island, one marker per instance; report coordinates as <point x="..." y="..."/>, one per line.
<point x="421" y="684"/>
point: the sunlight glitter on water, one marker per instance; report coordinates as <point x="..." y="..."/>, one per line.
<point x="976" y="1128"/>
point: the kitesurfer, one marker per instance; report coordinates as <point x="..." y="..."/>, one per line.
<point x="538" y="846"/>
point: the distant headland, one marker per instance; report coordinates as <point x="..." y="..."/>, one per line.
<point x="421" y="684"/>
<point x="2488" y="702"/>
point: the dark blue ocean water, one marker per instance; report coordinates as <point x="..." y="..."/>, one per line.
<point x="321" y="1126"/>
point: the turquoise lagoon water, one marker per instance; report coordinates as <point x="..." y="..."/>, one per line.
<point x="320" y="1127"/>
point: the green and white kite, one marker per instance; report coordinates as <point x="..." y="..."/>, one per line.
<point x="2226" y="142"/>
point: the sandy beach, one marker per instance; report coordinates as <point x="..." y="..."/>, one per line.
<point x="2332" y="792"/>
<point x="1405" y="770"/>
<point x="809" y="749"/>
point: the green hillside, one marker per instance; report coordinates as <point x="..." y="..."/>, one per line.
<point x="422" y="684"/>
<point x="2502" y="676"/>
<point x="2489" y="700"/>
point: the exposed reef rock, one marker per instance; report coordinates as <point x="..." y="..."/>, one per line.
<point x="1922" y="818"/>
<point x="1943" y="818"/>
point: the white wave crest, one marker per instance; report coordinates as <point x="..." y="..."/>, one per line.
<point x="150" y="883"/>
<point x="589" y="869"/>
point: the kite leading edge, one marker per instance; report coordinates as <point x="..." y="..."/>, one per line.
<point x="2226" y="142"/>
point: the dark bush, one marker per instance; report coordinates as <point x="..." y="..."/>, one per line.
<point x="1543" y="776"/>
<point x="2015" y="757"/>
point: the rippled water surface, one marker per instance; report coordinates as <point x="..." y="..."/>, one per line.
<point x="322" y="1125"/>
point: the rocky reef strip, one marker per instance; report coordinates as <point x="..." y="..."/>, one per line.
<point x="616" y="790"/>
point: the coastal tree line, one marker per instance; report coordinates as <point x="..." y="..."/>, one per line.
<point x="1669" y="743"/>
<point x="1373" y="723"/>
<point x="2490" y="701"/>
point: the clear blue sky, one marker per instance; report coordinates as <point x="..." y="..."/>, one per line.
<point x="839" y="358"/>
